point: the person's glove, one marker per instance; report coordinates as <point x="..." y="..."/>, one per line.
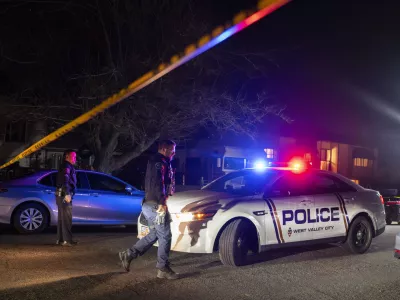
<point x="161" y="213"/>
<point x="160" y="218"/>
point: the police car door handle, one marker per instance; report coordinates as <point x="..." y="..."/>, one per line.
<point x="48" y="191"/>
<point x="349" y="199"/>
<point x="95" y="194"/>
<point x="305" y="201"/>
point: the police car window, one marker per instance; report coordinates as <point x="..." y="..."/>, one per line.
<point x="328" y="184"/>
<point x="291" y="185"/>
<point x="105" y="183"/>
<point x="322" y="184"/>
<point x="243" y="183"/>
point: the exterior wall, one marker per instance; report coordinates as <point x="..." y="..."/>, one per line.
<point x="345" y="160"/>
<point x="339" y="159"/>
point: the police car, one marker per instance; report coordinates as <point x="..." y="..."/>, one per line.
<point x="264" y="208"/>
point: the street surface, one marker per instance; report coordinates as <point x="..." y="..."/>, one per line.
<point x="32" y="267"/>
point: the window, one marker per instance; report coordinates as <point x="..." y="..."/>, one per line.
<point x="233" y="163"/>
<point x="105" y="183"/>
<point x="325" y="154"/>
<point x="307" y="157"/>
<point x="362" y="162"/>
<point x="323" y="184"/>
<point x="15" y="132"/>
<point x="356" y="181"/>
<point x="269" y="152"/>
<point x="243" y="183"/>
<point x="51" y="180"/>
<point x="291" y="185"/>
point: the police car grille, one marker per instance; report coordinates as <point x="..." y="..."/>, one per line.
<point x="143" y="220"/>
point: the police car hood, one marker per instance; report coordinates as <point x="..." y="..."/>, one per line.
<point x="195" y="200"/>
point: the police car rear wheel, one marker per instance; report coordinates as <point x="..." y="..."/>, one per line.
<point x="359" y="237"/>
<point x="234" y="243"/>
<point x="30" y="218"/>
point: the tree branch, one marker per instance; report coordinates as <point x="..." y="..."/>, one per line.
<point x="120" y="161"/>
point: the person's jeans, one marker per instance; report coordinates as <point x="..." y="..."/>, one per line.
<point x="162" y="233"/>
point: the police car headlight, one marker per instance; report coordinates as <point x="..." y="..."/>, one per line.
<point x="188" y="216"/>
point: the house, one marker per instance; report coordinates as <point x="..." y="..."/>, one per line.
<point x="209" y="159"/>
<point x="17" y="136"/>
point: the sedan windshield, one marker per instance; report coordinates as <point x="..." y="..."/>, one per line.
<point x="246" y="182"/>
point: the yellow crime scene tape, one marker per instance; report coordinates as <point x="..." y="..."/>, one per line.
<point x="241" y="21"/>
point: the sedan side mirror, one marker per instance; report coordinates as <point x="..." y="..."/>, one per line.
<point x="128" y="190"/>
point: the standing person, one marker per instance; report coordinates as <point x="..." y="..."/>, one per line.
<point x="155" y="211"/>
<point x="66" y="187"/>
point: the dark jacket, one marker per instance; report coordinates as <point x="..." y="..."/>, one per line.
<point x="66" y="179"/>
<point x="158" y="177"/>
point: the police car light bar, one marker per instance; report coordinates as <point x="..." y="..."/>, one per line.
<point x="260" y="164"/>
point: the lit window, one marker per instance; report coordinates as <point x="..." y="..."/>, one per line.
<point x="325" y="155"/>
<point x="362" y="162"/>
<point x="307" y="157"/>
<point x="269" y="152"/>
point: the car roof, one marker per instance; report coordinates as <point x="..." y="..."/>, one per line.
<point x="308" y="171"/>
<point x="32" y="178"/>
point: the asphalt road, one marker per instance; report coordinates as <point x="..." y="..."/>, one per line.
<point x="32" y="267"/>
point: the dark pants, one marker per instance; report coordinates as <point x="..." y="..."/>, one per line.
<point x="162" y="233"/>
<point x="64" y="225"/>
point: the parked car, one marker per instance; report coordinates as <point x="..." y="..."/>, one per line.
<point x="262" y="209"/>
<point x="392" y="205"/>
<point x="28" y="203"/>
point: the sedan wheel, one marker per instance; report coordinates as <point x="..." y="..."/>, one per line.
<point x="31" y="218"/>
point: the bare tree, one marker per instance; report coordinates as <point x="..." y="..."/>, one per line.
<point x="120" y="40"/>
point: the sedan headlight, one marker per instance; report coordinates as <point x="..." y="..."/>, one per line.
<point x="189" y="216"/>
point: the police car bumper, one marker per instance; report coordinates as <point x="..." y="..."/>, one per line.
<point x="189" y="237"/>
<point x="397" y="246"/>
<point x="380" y="231"/>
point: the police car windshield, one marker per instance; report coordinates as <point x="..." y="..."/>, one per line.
<point x="246" y="182"/>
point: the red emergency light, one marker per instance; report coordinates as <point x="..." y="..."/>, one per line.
<point x="297" y="164"/>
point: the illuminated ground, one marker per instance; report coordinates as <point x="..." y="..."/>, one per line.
<point x="32" y="268"/>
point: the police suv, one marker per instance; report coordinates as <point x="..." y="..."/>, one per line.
<point x="260" y="209"/>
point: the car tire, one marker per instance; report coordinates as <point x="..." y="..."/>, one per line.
<point x="31" y="218"/>
<point x="234" y="243"/>
<point x="359" y="237"/>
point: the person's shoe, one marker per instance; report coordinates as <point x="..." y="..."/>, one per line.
<point x="167" y="273"/>
<point x="59" y="242"/>
<point x="125" y="259"/>
<point x="70" y="244"/>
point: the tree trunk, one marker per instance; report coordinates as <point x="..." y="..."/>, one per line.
<point x="107" y="162"/>
<point x="103" y="163"/>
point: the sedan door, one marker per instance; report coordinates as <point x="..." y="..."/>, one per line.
<point x="80" y="203"/>
<point x="112" y="201"/>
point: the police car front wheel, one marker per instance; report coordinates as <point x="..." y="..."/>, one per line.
<point x="235" y="242"/>
<point x="359" y="237"/>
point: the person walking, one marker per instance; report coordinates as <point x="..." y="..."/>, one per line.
<point x="155" y="210"/>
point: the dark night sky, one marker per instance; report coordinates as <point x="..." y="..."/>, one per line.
<point x="333" y="63"/>
<point x="338" y="61"/>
